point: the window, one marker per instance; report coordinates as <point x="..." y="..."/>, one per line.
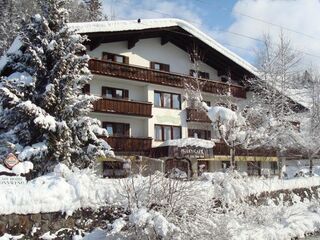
<point x="157" y="99"/>
<point x="160" y="66"/>
<point x="117" y="129"/>
<point x="167" y="100"/>
<point x="254" y="168"/>
<point x="115" y="58"/>
<point x="227" y="164"/>
<point x="273" y="168"/>
<point x="175" y="101"/>
<point x="158" y="132"/>
<point x="115" y="93"/>
<point x="200" y="74"/>
<point x="199" y="133"/>
<point x="166" y="132"/>
<point x="86" y="89"/>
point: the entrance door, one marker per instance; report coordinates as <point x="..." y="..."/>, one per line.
<point x="178" y="168"/>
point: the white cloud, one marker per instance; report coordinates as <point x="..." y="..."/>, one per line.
<point x="300" y="15"/>
<point x="133" y="9"/>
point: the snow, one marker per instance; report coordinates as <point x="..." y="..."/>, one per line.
<point x="223" y="114"/>
<point x="11" y="237"/>
<point x="126" y="25"/>
<point x="47" y="122"/>
<point x="67" y="190"/>
<point x="21" y="168"/>
<point x="34" y="150"/>
<point x="23" y="77"/>
<point x="15" y="46"/>
<point x="3" y="62"/>
<point x="117" y="225"/>
<point x="48" y="236"/>
<point x="185" y="142"/>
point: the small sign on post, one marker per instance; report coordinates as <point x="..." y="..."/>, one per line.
<point x="11" y="161"/>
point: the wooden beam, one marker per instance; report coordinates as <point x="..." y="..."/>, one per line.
<point x="132" y="41"/>
<point x="164" y="40"/>
<point x="94" y="43"/>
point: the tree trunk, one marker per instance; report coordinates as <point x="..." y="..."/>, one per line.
<point x="310" y="166"/>
<point x="233" y="158"/>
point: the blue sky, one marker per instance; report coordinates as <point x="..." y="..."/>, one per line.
<point x="236" y="24"/>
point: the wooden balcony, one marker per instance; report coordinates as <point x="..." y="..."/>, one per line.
<point x="223" y="149"/>
<point x="161" y="77"/>
<point x="194" y="115"/>
<point x="121" y="106"/>
<point x="130" y="144"/>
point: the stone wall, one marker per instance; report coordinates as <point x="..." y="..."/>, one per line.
<point x="84" y="219"/>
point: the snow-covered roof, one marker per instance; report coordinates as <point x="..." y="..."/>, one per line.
<point x="187" y="142"/>
<point x="129" y="25"/>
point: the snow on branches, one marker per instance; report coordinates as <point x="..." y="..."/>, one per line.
<point x="44" y="115"/>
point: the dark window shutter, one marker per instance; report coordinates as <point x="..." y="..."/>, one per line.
<point x="103" y="91"/>
<point x="126" y="129"/>
<point x="166" y="67"/>
<point x="152" y="65"/>
<point x="126" y="94"/>
<point x="206" y="75"/>
<point x="86" y="89"/>
<point x="126" y="60"/>
<point x="104" y="124"/>
<point x="208" y="137"/>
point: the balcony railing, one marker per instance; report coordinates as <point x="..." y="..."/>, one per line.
<point x="194" y="115"/>
<point x="130" y="144"/>
<point x="121" y="106"/>
<point x="223" y="149"/>
<point x="161" y="77"/>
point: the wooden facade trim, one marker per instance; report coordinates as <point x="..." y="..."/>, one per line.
<point x="161" y="77"/>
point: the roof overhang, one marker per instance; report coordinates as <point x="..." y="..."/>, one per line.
<point x="176" y="31"/>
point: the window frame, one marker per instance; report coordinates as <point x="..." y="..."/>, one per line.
<point x="108" y="56"/>
<point x="201" y="74"/>
<point x="206" y="133"/>
<point x="171" y="100"/>
<point x="162" y="126"/>
<point x="125" y="93"/>
<point x="162" y="66"/>
<point x="125" y="127"/>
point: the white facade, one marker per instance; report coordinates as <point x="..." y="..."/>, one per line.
<point x="144" y="52"/>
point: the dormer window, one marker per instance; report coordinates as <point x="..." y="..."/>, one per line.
<point x="160" y="66"/>
<point x="115" y="57"/>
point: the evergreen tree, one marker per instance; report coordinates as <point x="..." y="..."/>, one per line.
<point x="14" y="12"/>
<point x="94" y="8"/>
<point x="44" y="113"/>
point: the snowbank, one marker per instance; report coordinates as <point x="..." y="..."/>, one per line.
<point x="67" y="190"/>
<point x="63" y="190"/>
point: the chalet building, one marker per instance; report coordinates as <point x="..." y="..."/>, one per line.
<point x="139" y="70"/>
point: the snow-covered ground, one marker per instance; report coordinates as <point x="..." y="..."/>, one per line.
<point x="170" y="208"/>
